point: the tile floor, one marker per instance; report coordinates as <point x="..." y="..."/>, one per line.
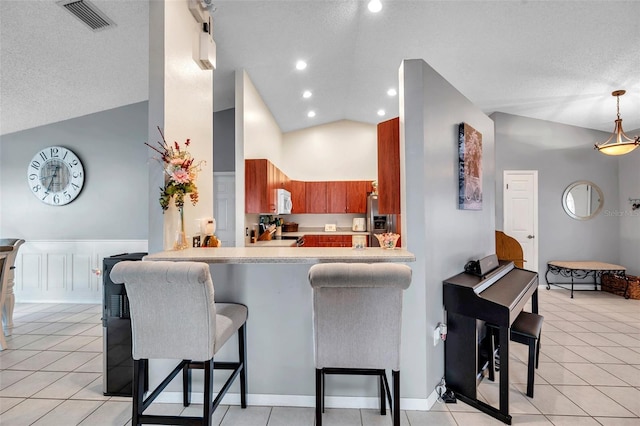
<point x="589" y="373"/>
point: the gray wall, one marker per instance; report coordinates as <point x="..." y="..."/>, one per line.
<point x="629" y="181"/>
<point x="113" y="203"/>
<point x="442" y="237"/>
<point x="562" y="154"/>
<point x="224" y="137"/>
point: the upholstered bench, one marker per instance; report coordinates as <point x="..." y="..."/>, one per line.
<point x="526" y="329"/>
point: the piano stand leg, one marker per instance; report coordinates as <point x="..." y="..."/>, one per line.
<point x="485" y="408"/>
<point x="504" y="370"/>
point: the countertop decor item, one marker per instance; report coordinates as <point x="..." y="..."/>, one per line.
<point x="388" y="240"/>
<point x="290" y="227"/>
<point x="181" y="173"/>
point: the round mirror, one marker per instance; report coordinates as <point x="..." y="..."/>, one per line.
<point x="582" y="200"/>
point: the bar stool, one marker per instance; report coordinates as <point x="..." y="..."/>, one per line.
<point x="8" y="282"/>
<point x="357" y="321"/>
<point x="174" y="316"/>
<point x="526" y="329"/>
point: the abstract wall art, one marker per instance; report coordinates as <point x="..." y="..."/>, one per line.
<point x="469" y="168"/>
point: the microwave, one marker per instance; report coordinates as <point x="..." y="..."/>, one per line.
<point x="283" y="202"/>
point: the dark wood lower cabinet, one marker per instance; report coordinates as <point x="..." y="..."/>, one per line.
<point x="327" y="241"/>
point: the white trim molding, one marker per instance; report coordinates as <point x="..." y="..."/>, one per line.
<point x="68" y="271"/>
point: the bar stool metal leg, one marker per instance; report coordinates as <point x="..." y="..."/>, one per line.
<point x="242" y="344"/>
<point x="208" y="393"/>
<point x="396" y="398"/>
<point x="383" y="395"/>
<point x="186" y="385"/>
<point x="319" y="396"/>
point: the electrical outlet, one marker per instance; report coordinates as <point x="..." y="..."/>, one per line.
<point x="436" y="335"/>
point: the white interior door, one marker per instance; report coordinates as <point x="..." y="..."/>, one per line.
<point x="224" y="207"/>
<point x="521" y="212"/>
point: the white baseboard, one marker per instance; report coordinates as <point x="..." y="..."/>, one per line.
<point x="412" y="404"/>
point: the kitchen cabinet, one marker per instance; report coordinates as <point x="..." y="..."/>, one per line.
<point x="316" y="197"/>
<point x="389" y="166"/>
<point x="337" y="197"/>
<point x="261" y="179"/>
<point x="327" y="241"/>
<point x="298" y="196"/>
<point x="310" y="241"/>
<point x="347" y="196"/>
<point x="357" y="191"/>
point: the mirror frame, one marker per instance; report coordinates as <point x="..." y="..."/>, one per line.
<point x="573" y="185"/>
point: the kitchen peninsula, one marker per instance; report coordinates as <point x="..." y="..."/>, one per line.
<point x="268" y="254"/>
<point x="273" y="283"/>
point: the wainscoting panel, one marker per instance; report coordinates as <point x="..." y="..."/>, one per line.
<point x="30" y="267"/>
<point x="56" y="272"/>
<point x="66" y="271"/>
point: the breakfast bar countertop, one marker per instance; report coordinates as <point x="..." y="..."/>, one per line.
<point x="309" y="255"/>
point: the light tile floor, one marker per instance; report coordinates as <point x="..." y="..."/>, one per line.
<point x="589" y="373"/>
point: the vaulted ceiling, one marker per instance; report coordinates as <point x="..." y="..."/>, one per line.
<point x="552" y="60"/>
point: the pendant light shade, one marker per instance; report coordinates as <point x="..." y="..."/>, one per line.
<point x="618" y="143"/>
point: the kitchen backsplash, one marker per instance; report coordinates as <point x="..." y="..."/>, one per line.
<point x="319" y="220"/>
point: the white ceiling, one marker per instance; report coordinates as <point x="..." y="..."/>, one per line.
<point x="552" y="60"/>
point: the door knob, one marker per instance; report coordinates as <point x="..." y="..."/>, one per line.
<point x="530" y="237"/>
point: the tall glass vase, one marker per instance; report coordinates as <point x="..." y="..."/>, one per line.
<point x="181" y="238"/>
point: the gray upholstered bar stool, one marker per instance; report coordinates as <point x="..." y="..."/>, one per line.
<point x="8" y="282"/>
<point x="174" y="316"/>
<point x="357" y="321"/>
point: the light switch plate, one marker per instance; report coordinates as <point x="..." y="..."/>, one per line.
<point x="330" y="227"/>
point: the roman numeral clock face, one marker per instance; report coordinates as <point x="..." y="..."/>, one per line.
<point x="55" y="175"/>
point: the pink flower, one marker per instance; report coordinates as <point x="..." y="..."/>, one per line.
<point x="180" y="176"/>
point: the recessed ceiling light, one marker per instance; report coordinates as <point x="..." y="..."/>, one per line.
<point x="311" y="114"/>
<point x="300" y="65"/>
<point x="392" y="92"/>
<point x="375" y="6"/>
<point x="306" y="94"/>
<point x="381" y="112"/>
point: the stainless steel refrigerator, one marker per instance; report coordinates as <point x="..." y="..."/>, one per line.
<point x="377" y="223"/>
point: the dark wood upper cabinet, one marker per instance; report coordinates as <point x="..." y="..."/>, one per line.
<point x="389" y="166"/>
<point x="316" y="197"/>
<point x="298" y="196"/>
<point x="337" y="197"/>
<point x="256" y="193"/>
<point x="357" y="191"/>
<point x="261" y="179"/>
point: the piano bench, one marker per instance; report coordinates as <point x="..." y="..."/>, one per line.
<point x="526" y="329"/>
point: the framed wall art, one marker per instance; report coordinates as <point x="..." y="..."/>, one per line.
<point x="469" y="168"/>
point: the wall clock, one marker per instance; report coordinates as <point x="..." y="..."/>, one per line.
<point x="55" y="175"/>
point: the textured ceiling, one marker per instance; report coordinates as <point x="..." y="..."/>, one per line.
<point x="552" y="60"/>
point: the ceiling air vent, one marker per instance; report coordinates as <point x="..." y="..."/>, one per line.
<point x="93" y="17"/>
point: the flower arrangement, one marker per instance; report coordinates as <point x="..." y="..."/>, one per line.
<point x="182" y="171"/>
<point x="388" y="240"/>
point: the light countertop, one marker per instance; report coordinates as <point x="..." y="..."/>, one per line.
<point x="274" y="243"/>
<point x="267" y="254"/>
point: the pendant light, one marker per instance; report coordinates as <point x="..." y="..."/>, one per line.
<point x="622" y="143"/>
